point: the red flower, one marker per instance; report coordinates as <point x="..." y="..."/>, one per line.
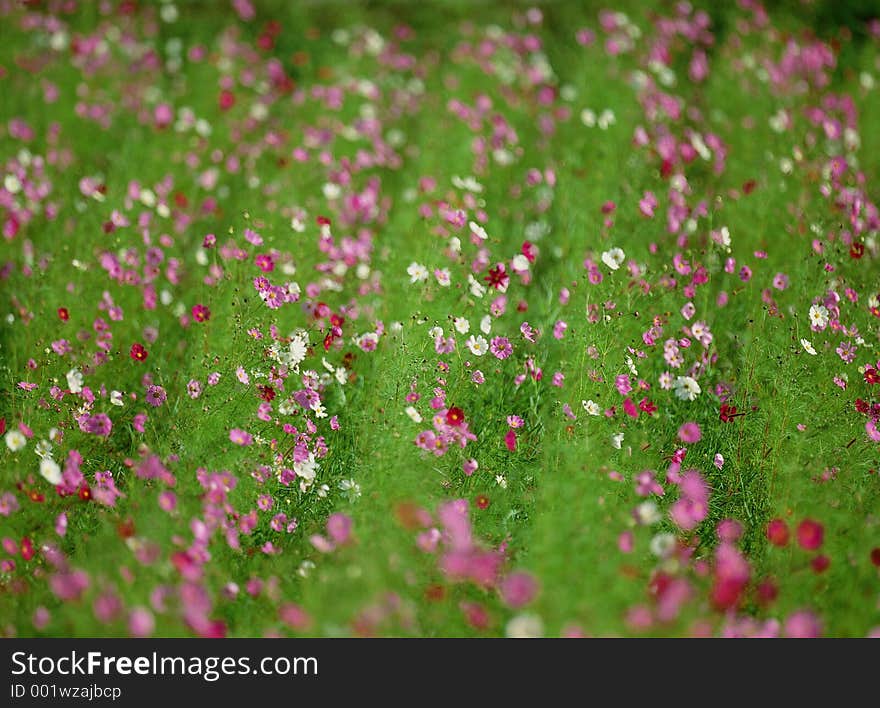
<point x="647" y="406"/>
<point x="510" y="440"/>
<point x="85" y="493"/>
<point x="201" y="313"/>
<point x="227" y="100"/>
<point x="857" y="250"/>
<point x="875" y="556"/>
<point x="777" y="532"/>
<point x="728" y="413"/>
<point x="138" y="353"/>
<point x="820" y="564"/>
<point x="482" y="501"/>
<point x="27" y="548"/>
<point x="497" y="277"/>
<point x="862" y="406"/>
<point x="267" y="393"/>
<point x="767" y="592"/>
<point x="872" y="376"/>
<point x="454" y="416"/>
<point x="810" y="534"/>
<point x="63" y="314"/>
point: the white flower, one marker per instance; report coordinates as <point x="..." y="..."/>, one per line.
<point x="462" y="326"/>
<point x="486" y="324"/>
<point x="818" y="317"/>
<point x="417" y="272"/>
<point x="298" y="349"/>
<point x="74" y="381"/>
<point x="477" y="345"/>
<point x="519" y="263"/>
<point x="647" y="513"/>
<point x="435" y="332"/>
<point x="501" y="481"/>
<point x="50" y="470"/>
<point x="686" y="388"/>
<point x="13" y="185"/>
<point x="413" y="414"/>
<point x="662" y="544"/>
<point x="808" y="345"/>
<point x="525" y="626"/>
<point x="43" y="449"/>
<point x="442" y="276"/>
<point x="631" y="366"/>
<point x="591" y="407"/>
<point x="351" y="487"/>
<point x="306" y="470"/>
<point x="617" y="440"/>
<point x="15" y="440"/>
<point x="476" y="287"/>
<point x="613" y="258"/>
<point x="478" y="230"/>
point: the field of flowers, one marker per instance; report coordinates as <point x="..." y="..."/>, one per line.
<point x="439" y="319"/>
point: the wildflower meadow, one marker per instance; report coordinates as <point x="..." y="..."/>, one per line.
<point x="439" y="319"/>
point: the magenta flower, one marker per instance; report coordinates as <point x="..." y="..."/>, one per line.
<point x="99" y="424"/>
<point x="501" y="347"/>
<point x="156" y="395"/>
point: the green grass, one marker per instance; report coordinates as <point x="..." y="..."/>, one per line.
<point x="561" y="512"/>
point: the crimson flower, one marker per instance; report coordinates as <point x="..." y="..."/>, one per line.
<point x="138" y="352"/>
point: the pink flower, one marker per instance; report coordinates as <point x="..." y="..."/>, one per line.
<point x="690" y="433"/>
<point x="501" y="347"/>
<point x="241" y="437"/>
<point x="518" y="589"/>
<point x="339" y="528"/>
<point x="647" y="204"/>
<point x="156" y="395"/>
<point x="802" y="625"/>
<point x="510" y="440"/>
<point x="141" y="622"/>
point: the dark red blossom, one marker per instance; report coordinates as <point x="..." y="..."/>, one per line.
<point x="727" y="413"/>
<point x="267" y="393"/>
<point x="63" y="314"/>
<point x="454" y="416"/>
<point x="497" y="277"/>
<point x="138" y="352"/>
